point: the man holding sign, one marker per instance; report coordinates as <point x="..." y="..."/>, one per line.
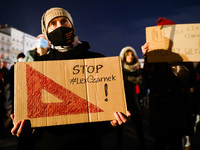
<point x="170" y="100"/>
<point x="58" y="28"/>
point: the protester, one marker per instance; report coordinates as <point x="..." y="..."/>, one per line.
<point x="3" y="83"/>
<point x="171" y="114"/>
<point x="20" y="58"/>
<point x="197" y="91"/>
<point x="132" y="77"/>
<point x="41" y="48"/>
<point x="58" y="28"/>
<point x="196" y="138"/>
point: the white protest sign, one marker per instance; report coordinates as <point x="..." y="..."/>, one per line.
<point x="171" y="43"/>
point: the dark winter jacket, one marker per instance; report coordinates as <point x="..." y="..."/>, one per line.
<point x="132" y="78"/>
<point x="31" y="55"/>
<point x="79" y="52"/>
<point x="76" y="136"/>
<point x="170" y="100"/>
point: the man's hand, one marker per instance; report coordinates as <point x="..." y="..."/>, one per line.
<point x="120" y="118"/>
<point x="21" y="128"/>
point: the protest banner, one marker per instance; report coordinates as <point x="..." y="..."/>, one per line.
<point x="62" y="92"/>
<point x="172" y="43"/>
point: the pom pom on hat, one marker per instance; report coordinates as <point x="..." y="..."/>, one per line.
<point x="164" y="21"/>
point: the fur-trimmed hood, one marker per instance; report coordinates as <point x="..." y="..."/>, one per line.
<point x="129" y="67"/>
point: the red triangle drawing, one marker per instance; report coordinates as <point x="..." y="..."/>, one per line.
<point x="71" y="103"/>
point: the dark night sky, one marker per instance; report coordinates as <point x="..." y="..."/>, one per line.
<point x="108" y="25"/>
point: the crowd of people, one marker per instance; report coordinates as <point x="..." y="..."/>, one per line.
<point x="7" y="81"/>
<point x="174" y="97"/>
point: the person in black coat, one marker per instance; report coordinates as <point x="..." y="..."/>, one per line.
<point x="20" y="58"/>
<point x="58" y="28"/>
<point x="132" y="77"/>
<point x="3" y="83"/>
<point x="170" y="101"/>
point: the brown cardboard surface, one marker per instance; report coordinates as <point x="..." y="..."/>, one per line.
<point x="171" y="43"/>
<point x="69" y="91"/>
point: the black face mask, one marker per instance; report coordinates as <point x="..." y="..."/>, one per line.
<point x="62" y="36"/>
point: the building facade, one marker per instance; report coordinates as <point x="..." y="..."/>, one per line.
<point x="13" y="42"/>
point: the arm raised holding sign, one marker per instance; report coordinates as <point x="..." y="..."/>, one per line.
<point x="145" y="48"/>
<point x="170" y="102"/>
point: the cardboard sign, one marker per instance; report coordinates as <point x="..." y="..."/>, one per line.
<point x="69" y="91"/>
<point x="171" y="43"/>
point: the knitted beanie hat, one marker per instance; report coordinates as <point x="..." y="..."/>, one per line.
<point x="51" y="14"/>
<point x="164" y="21"/>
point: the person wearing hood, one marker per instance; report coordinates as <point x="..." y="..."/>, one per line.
<point x="41" y="48"/>
<point x="170" y="103"/>
<point x="132" y="77"/>
<point x="58" y="28"/>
